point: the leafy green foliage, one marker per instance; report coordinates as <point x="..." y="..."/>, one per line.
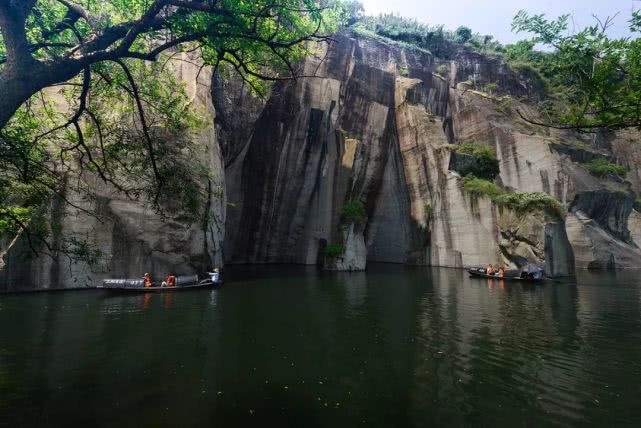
<point x="463" y="34"/>
<point x="40" y="158"/>
<point x="353" y="10"/>
<point x="334" y="250"/>
<point x="481" y="187"/>
<point x="602" y="167"/>
<point x="490" y="88"/>
<point x="353" y="212"/>
<point x="521" y="202"/>
<point x="12" y="218"/>
<point x="485" y="164"/>
<point x="434" y="39"/>
<point x="126" y="118"/>
<point x="442" y="69"/>
<point x="595" y="80"/>
<point x="476" y="150"/>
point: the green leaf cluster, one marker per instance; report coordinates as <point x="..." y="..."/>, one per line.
<point x="435" y="39"/>
<point x="12" y="218"/>
<point x="521" y="202"/>
<point x="601" y="167"/>
<point x="593" y="79"/>
<point x="485" y="164"/>
<point x="353" y="212"/>
<point x="334" y="250"/>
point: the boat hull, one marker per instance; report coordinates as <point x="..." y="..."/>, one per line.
<point x="136" y="286"/>
<point x="479" y="274"/>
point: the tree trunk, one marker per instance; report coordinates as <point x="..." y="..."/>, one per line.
<point x="18" y="82"/>
<point x="15" y="91"/>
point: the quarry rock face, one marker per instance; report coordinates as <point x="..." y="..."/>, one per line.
<point x="378" y="124"/>
<point x="374" y="125"/>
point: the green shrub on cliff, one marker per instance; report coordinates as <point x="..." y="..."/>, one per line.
<point x="435" y="39"/>
<point x="443" y="70"/>
<point x="602" y="167"/>
<point x="485" y="164"/>
<point x="353" y="212"/>
<point x="521" y="202"/>
<point x="334" y="250"/>
<point x="481" y="187"/>
<point x="476" y="150"/>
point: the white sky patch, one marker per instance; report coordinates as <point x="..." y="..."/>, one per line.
<point x="495" y="17"/>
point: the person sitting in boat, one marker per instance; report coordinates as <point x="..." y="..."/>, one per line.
<point x="148" y="280"/>
<point x="501" y="272"/>
<point x="170" y="281"/>
<point x="214" y="276"/>
<point x="490" y="270"/>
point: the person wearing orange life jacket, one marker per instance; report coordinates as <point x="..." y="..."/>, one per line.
<point x="148" y="281"/>
<point x="171" y="280"/>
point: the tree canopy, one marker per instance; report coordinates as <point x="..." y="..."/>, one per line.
<point x="87" y="89"/>
<point x="595" y="80"/>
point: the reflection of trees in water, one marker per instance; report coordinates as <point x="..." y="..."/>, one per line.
<point x="483" y="353"/>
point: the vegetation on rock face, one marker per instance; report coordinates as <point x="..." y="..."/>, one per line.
<point x="481" y="187"/>
<point x="334" y="250"/>
<point x="434" y="39"/>
<point x="476" y="150"/>
<point x="602" y="167"/>
<point x="485" y="164"/>
<point x="521" y="202"/>
<point x="353" y="212"/>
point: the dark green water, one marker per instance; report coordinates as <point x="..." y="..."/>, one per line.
<point x="294" y="347"/>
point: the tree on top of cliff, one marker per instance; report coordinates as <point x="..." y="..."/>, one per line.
<point x="596" y="79"/>
<point x="107" y="60"/>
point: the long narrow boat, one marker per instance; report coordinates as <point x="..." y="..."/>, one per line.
<point x="183" y="283"/>
<point x="480" y="273"/>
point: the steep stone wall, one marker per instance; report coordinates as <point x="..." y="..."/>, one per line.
<point x="404" y="110"/>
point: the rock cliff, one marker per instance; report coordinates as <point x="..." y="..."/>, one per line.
<point x="375" y="126"/>
<point x="380" y="124"/>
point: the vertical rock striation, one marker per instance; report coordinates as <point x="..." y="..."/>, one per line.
<point x="377" y="125"/>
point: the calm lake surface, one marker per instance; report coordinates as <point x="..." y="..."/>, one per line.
<point x="396" y="346"/>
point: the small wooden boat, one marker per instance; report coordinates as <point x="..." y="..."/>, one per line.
<point x="183" y="283"/>
<point x="479" y="272"/>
